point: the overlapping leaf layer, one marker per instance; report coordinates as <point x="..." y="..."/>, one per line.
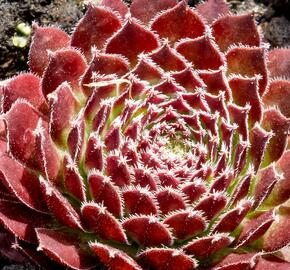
<point x="154" y="137"/>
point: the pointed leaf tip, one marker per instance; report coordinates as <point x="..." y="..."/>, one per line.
<point x="116" y="5"/>
<point x="64" y="65"/>
<point x="103" y="223"/>
<point x="145" y="10"/>
<point x="44" y="39"/>
<point x="94" y="29"/>
<point x="279" y="63"/>
<point x="131" y="40"/>
<point x="169" y="259"/>
<point x="170" y="24"/>
<point x="113" y="258"/>
<point x="63" y="248"/>
<point x="239" y="29"/>
<point x="211" y="9"/>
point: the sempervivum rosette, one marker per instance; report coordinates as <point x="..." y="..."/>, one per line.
<point x="153" y="137"/>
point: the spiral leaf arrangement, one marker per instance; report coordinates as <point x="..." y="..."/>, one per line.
<point x="154" y="137"/>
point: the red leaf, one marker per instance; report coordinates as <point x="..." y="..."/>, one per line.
<point x="167" y="58"/>
<point x="194" y="190"/>
<point x="279" y="63"/>
<point x="232" y="219"/>
<point x="281" y="192"/>
<point x="72" y="179"/>
<point x="277" y="123"/>
<point x="238" y="262"/>
<point x="170" y="24"/>
<point x="22" y="120"/>
<point x="21" y="183"/>
<point x="45" y="39"/>
<point x="259" y="139"/>
<point x="139" y="201"/>
<point x="17" y="219"/>
<point x="248" y="62"/>
<point x="265" y="181"/>
<point x="268" y="264"/>
<point x="201" y="53"/>
<point x="255" y="228"/>
<point x="131" y="40"/>
<point x="145" y="15"/>
<point x="113" y="135"/>
<point x="113" y="258"/>
<point x="239" y="115"/>
<point x="205" y="246"/>
<point x="26" y="86"/>
<point x="242" y="189"/>
<point x="245" y="91"/>
<point x="212" y="204"/>
<point x="278" y="94"/>
<point x="75" y="140"/>
<point x="94" y="153"/>
<point x="60" y="206"/>
<point x="118" y="170"/>
<point x="147" y="231"/>
<point x="63" y="105"/>
<point x="278" y="235"/>
<point x="103" y="191"/>
<point x="216" y="81"/>
<point x="211" y="9"/>
<point x="46" y="153"/>
<point x="116" y="5"/>
<point x="229" y="30"/>
<point x="103" y="223"/>
<point x="94" y="29"/>
<point x="170" y="200"/>
<point x="104" y="64"/>
<point x="62" y="248"/>
<point x="187" y="79"/>
<point x="144" y="179"/>
<point x="185" y="223"/>
<point x="64" y="65"/>
<point x="147" y="70"/>
<point x="169" y="259"/>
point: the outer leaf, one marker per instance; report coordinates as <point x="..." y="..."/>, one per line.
<point x="17" y="219"/>
<point x="131" y="40"/>
<point x="278" y="93"/>
<point x="229" y="30"/>
<point x="279" y="63"/>
<point x="64" y="65"/>
<point x="62" y="248"/>
<point x="94" y="29"/>
<point x="21" y="183"/>
<point x="274" y="121"/>
<point x="44" y="39"/>
<point x="152" y="8"/>
<point x="60" y="206"/>
<point x="238" y="262"/>
<point x="170" y="24"/>
<point x="248" y="61"/>
<point x="201" y="53"/>
<point x="26" y="86"/>
<point x="116" y="5"/>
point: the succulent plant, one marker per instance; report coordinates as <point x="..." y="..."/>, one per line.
<point x="153" y="137"/>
